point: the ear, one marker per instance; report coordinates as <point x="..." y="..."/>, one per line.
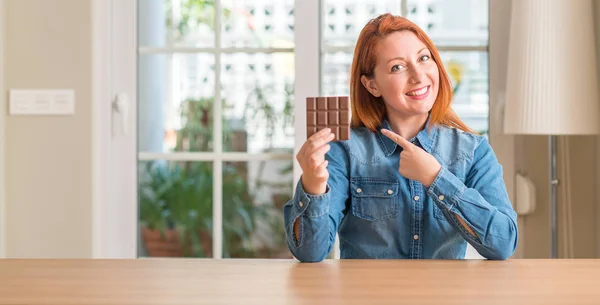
<point x="370" y="85"/>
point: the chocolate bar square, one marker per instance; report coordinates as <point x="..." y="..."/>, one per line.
<point x="328" y="111"/>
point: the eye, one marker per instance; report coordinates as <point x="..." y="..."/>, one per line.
<point x="424" y="58"/>
<point x="397" y="68"/>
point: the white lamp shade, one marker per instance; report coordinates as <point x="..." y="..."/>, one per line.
<point x="552" y="77"/>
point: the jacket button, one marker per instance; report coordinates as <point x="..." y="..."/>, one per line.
<point x="358" y="190"/>
<point x="441" y="197"/>
<point x="416" y="198"/>
<point x="301" y="204"/>
<point x="390" y="192"/>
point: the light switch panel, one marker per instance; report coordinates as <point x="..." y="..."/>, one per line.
<point x="42" y="102"/>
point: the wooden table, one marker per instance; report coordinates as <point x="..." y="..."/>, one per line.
<point x="205" y="281"/>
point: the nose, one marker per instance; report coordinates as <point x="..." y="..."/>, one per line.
<point x="416" y="74"/>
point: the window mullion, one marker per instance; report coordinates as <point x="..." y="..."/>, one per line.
<point x="211" y="156"/>
<point x="218" y="144"/>
<point x="307" y="73"/>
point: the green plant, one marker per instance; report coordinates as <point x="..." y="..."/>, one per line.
<point x="197" y="131"/>
<point x="177" y="197"/>
<point x="261" y="108"/>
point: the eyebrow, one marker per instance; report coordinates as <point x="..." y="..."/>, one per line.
<point x="402" y="58"/>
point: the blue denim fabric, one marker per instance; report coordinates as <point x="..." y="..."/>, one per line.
<point x="379" y="214"/>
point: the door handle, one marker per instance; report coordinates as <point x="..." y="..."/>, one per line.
<point x="121" y="105"/>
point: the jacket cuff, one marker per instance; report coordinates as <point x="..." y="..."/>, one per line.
<point x="446" y="189"/>
<point x="311" y="206"/>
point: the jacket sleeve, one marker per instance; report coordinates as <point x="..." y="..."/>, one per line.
<point x="482" y="202"/>
<point x="319" y="216"/>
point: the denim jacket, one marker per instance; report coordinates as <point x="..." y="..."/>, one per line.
<point x="380" y="214"/>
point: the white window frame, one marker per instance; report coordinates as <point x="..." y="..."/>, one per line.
<point x="101" y="95"/>
<point x="114" y="155"/>
<point x="114" y="163"/>
<point x="2" y="185"/>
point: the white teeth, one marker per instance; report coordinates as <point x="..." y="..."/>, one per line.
<point x="419" y="92"/>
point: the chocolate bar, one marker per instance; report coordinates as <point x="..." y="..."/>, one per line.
<point x="328" y="111"/>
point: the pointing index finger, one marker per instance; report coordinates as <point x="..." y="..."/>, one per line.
<point x="396" y="138"/>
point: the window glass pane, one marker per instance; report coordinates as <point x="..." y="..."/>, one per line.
<point x="188" y="23"/>
<point x="253" y="197"/>
<point x="175" y="102"/>
<point x="456" y="22"/>
<point x="344" y="19"/>
<point x="469" y="74"/>
<point x="258" y="23"/>
<point x="175" y="212"/>
<point x="258" y="101"/>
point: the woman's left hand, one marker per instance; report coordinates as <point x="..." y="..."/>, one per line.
<point x="415" y="163"/>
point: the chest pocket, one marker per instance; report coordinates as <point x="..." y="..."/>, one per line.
<point x="374" y="198"/>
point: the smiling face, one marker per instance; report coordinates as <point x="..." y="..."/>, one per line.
<point x="405" y="76"/>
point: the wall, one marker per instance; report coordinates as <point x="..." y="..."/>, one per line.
<point x="2" y="193"/>
<point x="48" y="159"/>
<point x="597" y="186"/>
<point x="584" y="184"/>
<point x="534" y="163"/>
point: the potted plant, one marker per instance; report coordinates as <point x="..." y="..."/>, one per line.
<point x="158" y="236"/>
<point x="176" y="209"/>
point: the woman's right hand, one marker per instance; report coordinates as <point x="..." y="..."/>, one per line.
<point x="312" y="161"/>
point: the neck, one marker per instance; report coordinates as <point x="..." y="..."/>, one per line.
<point x="407" y="127"/>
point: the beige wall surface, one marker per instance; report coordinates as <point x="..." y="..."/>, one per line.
<point x="48" y="159"/>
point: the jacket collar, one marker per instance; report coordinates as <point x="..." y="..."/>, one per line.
<point x="425" y="138"/>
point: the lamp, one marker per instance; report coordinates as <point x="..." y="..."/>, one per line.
<point x="552" y="78"/>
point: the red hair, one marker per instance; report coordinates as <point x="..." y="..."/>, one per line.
<point x="368" y="110"/>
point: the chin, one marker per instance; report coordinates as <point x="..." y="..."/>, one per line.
<point x="421" y="113"/>
<point x="416" y="112"/>
<point x="425" y="107"/>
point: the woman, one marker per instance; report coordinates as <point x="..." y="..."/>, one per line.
<point x="413" y="181"/>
